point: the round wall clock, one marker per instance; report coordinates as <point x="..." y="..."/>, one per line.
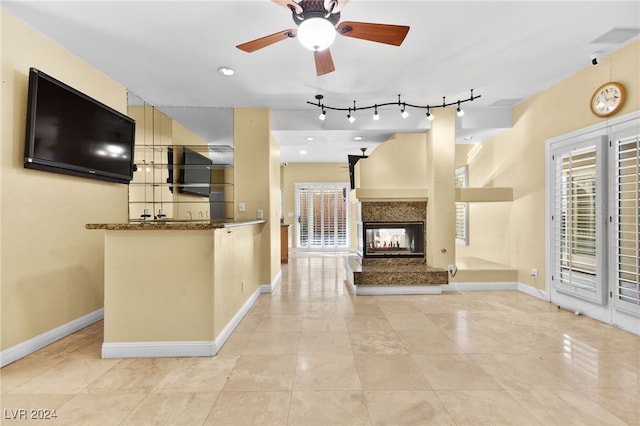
<point x="607" y="99"/>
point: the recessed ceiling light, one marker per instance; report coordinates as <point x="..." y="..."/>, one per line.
<point x="468" y="138"/>
<point x="226" y="71"/>
<point x="358" y="138"/>
<point x="303" y="152"/>
<point x="310" y="138"/>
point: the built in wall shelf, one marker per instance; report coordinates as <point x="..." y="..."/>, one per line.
<point x="390" y="194"/>
<point x="483" y="195"/>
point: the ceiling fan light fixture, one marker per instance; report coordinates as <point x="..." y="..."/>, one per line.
<point x="316" y="33"/>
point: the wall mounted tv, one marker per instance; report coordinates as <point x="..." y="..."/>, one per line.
<point x="71" y="133"/>
<point x="195" y="173"/>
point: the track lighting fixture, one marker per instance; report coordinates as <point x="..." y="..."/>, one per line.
<point x="350" y="117"/>
<point x="402" y="105"/>
<point x="429" y="115"/>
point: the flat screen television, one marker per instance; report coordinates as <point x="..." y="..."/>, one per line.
<point x="195" y="173"/>
<point x="71" y="133"/>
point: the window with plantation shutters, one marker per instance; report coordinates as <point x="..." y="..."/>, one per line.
<point x="626" y="224"/>
<point x="462" y="209"/>
<point x="577" y="213"/>
<point x="322" y="212"/>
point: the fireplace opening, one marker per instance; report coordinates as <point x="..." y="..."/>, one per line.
<point x="392" y="239"/>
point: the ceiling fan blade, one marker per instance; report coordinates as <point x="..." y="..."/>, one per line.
<point x="324" y="62"/>
<point x="289" y="4"/>
<point x="259" y="43"/>
<point x="380" y="33"/>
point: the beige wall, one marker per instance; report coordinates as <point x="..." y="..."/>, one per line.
<point x="156" y="293"/>
<point x="51" y="267"/>
<point x="256" y="178"/>
<point x="514" y="233"/>
<point x="399" y="162"/>
<point x="238" y="260"/>
<point x="294" y="173"/>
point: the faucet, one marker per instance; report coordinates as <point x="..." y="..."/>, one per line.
<point x="189" y="214"/>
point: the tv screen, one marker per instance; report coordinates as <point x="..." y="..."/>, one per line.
<point x="71" y="133"/>
<point x="195" y="173"/>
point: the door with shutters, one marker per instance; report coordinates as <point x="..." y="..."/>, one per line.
<point x="322" y="216"/>
<point x="593" y="255"/>
<point x="624" y="229"/>
<point x="577" y="218"/>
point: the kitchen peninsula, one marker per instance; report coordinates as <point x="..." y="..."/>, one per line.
<point x="177" y="288"/>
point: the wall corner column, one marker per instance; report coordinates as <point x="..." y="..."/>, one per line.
<point x="441" y="144"/>
<point x="256" y="178"/>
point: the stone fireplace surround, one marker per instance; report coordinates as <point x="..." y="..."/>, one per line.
<point x="404" y="275"/>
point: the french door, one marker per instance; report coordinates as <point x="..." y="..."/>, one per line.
<point x="322" y="212"/>
<point x="594" y="222"/>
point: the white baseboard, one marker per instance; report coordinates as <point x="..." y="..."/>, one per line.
<point x="380" y="290"/>
<point x="532" y="291"/>
<point x="157" y="349"/>
<point x="480" y="286"/>
<point x="235" y="321"/>
<point x="179" y="349"/>
<point x="27" y="347"/>
<point x="270" y="288"/>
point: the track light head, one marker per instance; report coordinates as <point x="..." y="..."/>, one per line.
<point x="459" y="111"/>
<point x="404" y="113"/>
<point x="351" y="118"/>
<point x="376" y="116"/>
<point x="322" y="116"/>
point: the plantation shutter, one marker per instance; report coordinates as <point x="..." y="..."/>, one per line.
<point x="462" y="213"/>
<point x="303" y="216"/>
<point x="578" y="268"/>
<point x="323" y="215"/>
<point x="626" y="261"/>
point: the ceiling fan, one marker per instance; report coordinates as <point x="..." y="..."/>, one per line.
<point x="317" y="22"/>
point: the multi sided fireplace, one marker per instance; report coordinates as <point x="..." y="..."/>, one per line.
<point x="392" y="239"/>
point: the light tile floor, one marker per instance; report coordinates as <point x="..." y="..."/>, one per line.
<point x="314" y="354"/>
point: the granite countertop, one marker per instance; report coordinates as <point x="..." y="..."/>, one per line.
<point x="173" y="225"/>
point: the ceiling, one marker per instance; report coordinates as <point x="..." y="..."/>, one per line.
<point x="166" y="53"/>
